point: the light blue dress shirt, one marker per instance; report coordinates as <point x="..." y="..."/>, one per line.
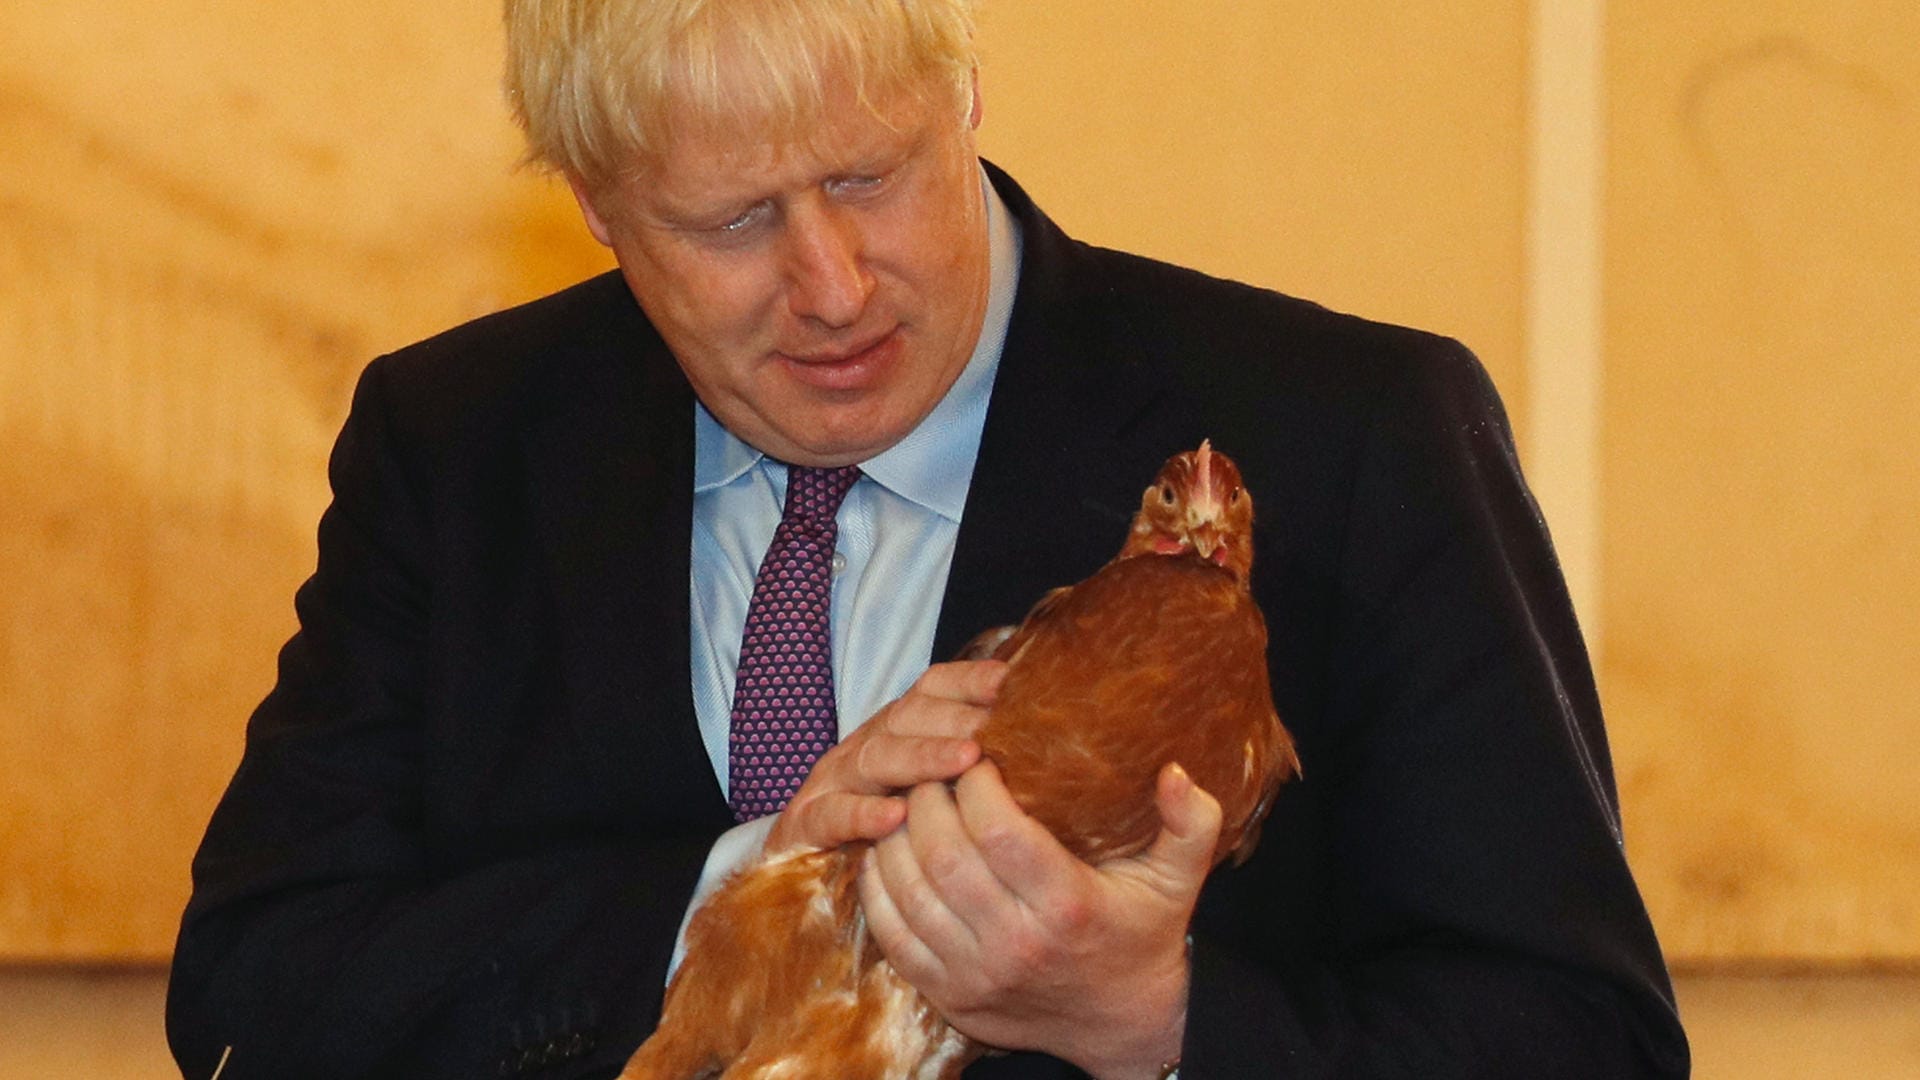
<point x="897" y="531"/>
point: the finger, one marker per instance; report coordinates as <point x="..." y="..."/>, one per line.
<point x="835" y="818"/>
<point x="893" y="762"/>
<point x="920" y="864"/>
<point x="921" y="737"/>
<point x="946" y="852"/>
<point x="1021" y="854"/>
<point x="875" y="761"/>
<point x="975" y="682"/>
<point x="1182" y="853"/>
<point x="915" y="713"/>
<point x="908" y="954"/>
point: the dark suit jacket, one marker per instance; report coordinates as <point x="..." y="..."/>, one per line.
<point x="472" y="809"/>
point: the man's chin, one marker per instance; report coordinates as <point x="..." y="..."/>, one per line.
<point x="830" y="446"/>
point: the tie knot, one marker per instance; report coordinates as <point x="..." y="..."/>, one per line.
<point x="814" y="495"/>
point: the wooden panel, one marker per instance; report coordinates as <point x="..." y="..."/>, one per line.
<point x="212" y="215"/>
<point x="1762" y="471"/>
<point x="1756" y="1027"/>
<point x="1370" y="156"/>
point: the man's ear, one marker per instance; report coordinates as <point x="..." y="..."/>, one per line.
<point x="974" y="114"/>
<point x="595" y="223"/>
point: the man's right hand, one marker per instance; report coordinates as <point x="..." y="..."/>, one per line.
<point x="854" y="790"/>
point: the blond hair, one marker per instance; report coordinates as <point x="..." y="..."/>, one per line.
<point x="602" y="87"/>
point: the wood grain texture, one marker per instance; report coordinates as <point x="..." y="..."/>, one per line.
<point x="209" y="220"/>
<point x="1762" y="473"/>
<point x="1369" y="156"/>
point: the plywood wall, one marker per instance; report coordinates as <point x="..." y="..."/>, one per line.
<point x="1762" y="471"/>
<point x="1368" y="155"/>
<point x="213" y="213"/>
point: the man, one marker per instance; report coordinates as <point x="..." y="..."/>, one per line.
<point x="498" y="763"/>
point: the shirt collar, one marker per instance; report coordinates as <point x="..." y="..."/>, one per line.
<point x="933" y="465"/>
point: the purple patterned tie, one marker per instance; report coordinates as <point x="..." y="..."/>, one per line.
<point x="783" y="712"/>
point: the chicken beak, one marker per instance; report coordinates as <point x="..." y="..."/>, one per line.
<point x="1205" y="518"/>
<point x="1206" y="539"/>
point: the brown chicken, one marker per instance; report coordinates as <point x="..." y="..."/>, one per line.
<point x="1160" y="656"/>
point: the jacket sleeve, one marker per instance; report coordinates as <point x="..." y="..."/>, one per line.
<point x="1482" y="921"/>
<point x="326" y="935"/>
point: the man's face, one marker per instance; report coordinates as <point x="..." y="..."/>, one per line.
<point x="822" y="294"/>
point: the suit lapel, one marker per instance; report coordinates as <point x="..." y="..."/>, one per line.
<point x="1056" y="481"/>
<point x="612" y="472"/>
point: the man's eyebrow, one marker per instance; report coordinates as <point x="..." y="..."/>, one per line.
<point x="669" y="211"/>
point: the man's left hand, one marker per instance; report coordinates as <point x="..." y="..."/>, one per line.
<point x="1023" y="946"/>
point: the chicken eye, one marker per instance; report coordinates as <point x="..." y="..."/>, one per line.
<point x="1233" y="496"/>
<point x="1166" y="494"/>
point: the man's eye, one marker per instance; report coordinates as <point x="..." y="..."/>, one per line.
<point x="854" y="185"/>
<point x="746" y="219"/>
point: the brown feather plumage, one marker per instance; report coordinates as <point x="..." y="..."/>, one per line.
<point x="1159" y="657"/>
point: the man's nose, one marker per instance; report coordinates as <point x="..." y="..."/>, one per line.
<point x="827" y="276"/>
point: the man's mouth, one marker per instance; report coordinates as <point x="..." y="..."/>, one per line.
<point x="845" y="369"/>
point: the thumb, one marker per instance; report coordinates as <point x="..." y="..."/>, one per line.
<point x="1189" y="829"/>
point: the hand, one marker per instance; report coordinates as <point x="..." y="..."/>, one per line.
<point x="1023" y="946"/>
<point x="924" y="735"/>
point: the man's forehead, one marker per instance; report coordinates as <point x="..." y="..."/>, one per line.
<point x="703" y="161"/>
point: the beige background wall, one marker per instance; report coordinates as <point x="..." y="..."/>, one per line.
<point x="1761" y="471"/>
<point x="213" y="212"/>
